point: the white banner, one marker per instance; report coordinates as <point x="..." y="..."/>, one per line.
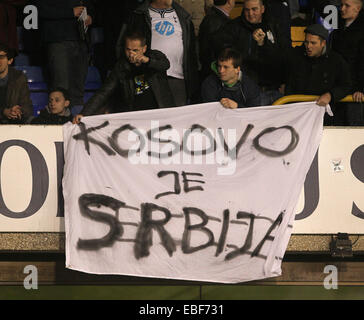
<point x="198" y="193"/>
<point x="31" y="163"/>
<point x="332" y="200"/>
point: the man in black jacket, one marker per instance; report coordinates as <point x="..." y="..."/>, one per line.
<point x="229" y="84"/>
<point x="66" y="43"/>
<point x="314" y="70"/>
<point x="348" y="40"/>
<point x="211" y="24"/>
<point x="169" y="29"/>
<point x="261" y="41"/>
<point x="139" y="77"/>
<point x="280" y="11"/>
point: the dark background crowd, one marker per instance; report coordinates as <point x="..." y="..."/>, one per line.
<point x="134" y="55"/>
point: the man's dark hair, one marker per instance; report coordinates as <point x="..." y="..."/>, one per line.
<point x="10" y="53"/>
<point x="234" y="55"/>
<point x="219" y="2"/>
<point x="135" y="35"/>
<point x="62" y="90"/>
<point x="261" y="2"/>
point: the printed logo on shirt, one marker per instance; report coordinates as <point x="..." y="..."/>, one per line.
<point x="140" y="84"/>
<point x="164" y="28"/>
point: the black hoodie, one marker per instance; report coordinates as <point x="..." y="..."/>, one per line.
<point x="317" y="75"/>
<point x="349" y="42"/>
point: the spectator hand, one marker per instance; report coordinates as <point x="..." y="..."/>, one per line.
<point x="88" y="21"/>
<point x="324" y="99"/>
<point x="358" y="96"/>
<point x="77" y="119"/>
<point x="228" y="103"/>
<point x="77" y="11"/>
<point x="282" y="88"/>
<point x="138" y="58"/>
<point x="258" y="36"/>
<point x="13" y="112"/>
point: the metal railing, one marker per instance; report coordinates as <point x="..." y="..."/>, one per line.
<point x="305" y="98"/>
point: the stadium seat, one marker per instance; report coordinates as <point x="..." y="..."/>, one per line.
<point x="76" y="110"/>
<point x="22" y="59"/>
<point x="40" y="101"/>
<point x="297" y="35"/>
<point x="88" y="95"/>
<point x="35" y="77"/>
<point x="236" y="12"/>
<point x="93" y="80"/>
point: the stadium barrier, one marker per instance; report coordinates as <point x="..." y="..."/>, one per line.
<point x="305" y="98"/>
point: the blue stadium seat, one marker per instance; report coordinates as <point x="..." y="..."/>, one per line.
<point x="35" y="77"/>
<point x="97" y="35"/>
<point x="303" y="3"/>
<point x="93" y="79"/>
<point x="88" y="95"/>
<point x="19" y="31"/>
<point x="40" y="101"/>
<point x="22" y="59"/>
<point x="76" y="110"/>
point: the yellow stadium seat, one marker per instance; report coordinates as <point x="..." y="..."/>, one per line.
<point x="297" y="35"/>
<point x="236" y="12"/>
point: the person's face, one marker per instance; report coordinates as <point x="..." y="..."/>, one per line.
<point x="227" y="72"/>
<point x="4" y="64"/>
<point x="133" y="48"/>
<point x="349" y="9"/>
<point x="57" y="103"/>
<point x="314" y="45"/>
<point x="253" y="11"/>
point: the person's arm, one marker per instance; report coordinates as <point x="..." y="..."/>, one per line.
<point x="324" y="99"/>
<point x="23" y="108"/>
<point x="229" y="103"/>
<point x="290" y="57"/>
<point x="343" y="82"/>
<point x="90" y="8"/>
<point x="209" y="90"/>
<point x="253" y="94"/>
<point x="13" y="113"/>
<point x="98" y="100"/>
<point x="272" y="53"/>
<point x="90" y="13"/>
<point x="157" y="60"/>
<point x="203" y="44"/>
<point x="359" y="85"/>
<point x="193" y="67"/>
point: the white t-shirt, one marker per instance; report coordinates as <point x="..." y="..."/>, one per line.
<point x="167" y="37"/>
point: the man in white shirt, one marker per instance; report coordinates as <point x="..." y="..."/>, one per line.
<point x="169" y="29"/>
